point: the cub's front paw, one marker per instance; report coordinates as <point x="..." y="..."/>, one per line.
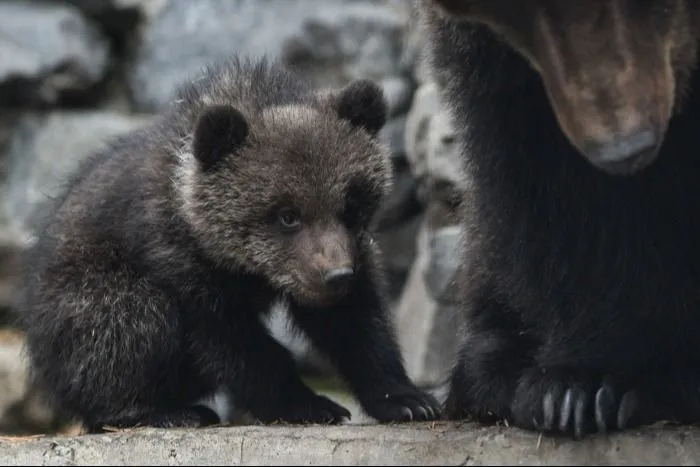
<point x="314" y="410"/>
<point x="402" y="404"/>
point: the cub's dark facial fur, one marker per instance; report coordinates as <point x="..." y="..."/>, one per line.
<point x="313" y="179"/>
<point x="579" y="289"/>
<point x="145" y="290"/>
<point x="615" y="71"/>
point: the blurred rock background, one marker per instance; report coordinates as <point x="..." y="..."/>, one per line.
<point x="75" y="72"/>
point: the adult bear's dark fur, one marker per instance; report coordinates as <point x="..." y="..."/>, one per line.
<point x="581" y="284"/>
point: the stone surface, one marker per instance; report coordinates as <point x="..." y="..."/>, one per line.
<point x="22" y="410"/>
<point x="397" y="222"/>
<point x="414" y="315"/>
<point x="432" y="148"/>
<point x="393" y="134"/>
<point x="444" y="156"/>
<point x="147" y="7"/>
<point x="330" y="41"/>
<point x="427" y="330"/>
<point x="356" y="39"/>
<point x="12" y="369"/>
<point x="401" y="205"/>
<point x="398" y="92"/>
<point x="426" y="315"/>
<point x="47" y="52"/>
<point x="406" y="444"/>
<point x="10" y="247"/>
<point x="398" y="244"/>
<point x="414" y="52"/>
<point x="443" y="262"/>
<point x="42" y="150"/>
<point x="45" y="148"/>
<point x="426" y="104"/>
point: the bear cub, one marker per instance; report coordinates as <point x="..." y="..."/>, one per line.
<point x="580" y="288"/>
<point x="151" y="274"/>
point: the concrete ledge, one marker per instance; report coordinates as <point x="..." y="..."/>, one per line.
<point x="409" y="444"/>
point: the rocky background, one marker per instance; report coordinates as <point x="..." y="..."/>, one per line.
<point x="75" y="72"/>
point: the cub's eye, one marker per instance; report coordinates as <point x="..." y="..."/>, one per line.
<point x="289" y="219"/>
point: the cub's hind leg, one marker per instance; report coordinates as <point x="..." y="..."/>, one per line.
<point x="104" y="343"/>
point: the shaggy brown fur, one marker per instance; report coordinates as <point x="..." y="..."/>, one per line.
<point x="146" y="288"/>
<point x="613" y="70"/>
<point x="580" y="285"/>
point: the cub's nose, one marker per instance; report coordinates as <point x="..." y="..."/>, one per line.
<point x="338" y="277"/>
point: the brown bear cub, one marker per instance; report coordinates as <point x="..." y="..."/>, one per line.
<point x="581" y="285"/>
<point x="148" y="284"/>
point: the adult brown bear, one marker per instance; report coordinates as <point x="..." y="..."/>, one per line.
<point x="581" y="287"/>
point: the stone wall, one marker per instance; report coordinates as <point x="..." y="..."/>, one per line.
<point x="73" y="73"/>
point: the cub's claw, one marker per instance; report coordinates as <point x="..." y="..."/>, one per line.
<point x="316" y="410"/>
<point x="405" y="405"/>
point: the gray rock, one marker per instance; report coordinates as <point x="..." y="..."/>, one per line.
<point x="365" y="38"/>
<point x="41" y="150"/>
<point x="44" y="149"/>
<point x="12" y="370"/>
<point x="22" y="409"/>
<point x="46" y="52"/>
<point x="440" y="443"/>
<point x="397" y="223"/>
<point x="426" y="330"/>
<point x="444" y="158"/>
<point x="415" y="58"/>
<point x="423" y="72"/>
<point x="394" y="136"/>
<point x="413" y="316"/>
<point x="97" y="7"/>
<point x="444" y="261"/>
<point x="398" y="92"/>
<point x="122" y="21"/>
<point x="401" y="205"/>
<point x="398" y="245"/>
<point x="435" y="156"/>
<point x="426" y="104"/>
<point x="433" y="148"/>
<point x="10" y="248"/>
<point x="8" y="123"/>
<point x="329" y="40"/>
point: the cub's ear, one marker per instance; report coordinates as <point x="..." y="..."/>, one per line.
<point x="362" y="103"/>
<point x="220" y="130"/>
